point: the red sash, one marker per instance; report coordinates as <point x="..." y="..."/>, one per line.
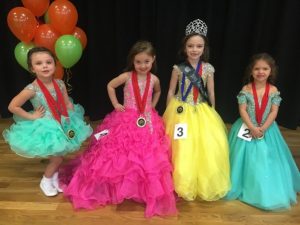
<point x="140" y="101"/>
<point x="259" y="111"/>
<point x="195" y="89"/>
<point x="57" y="107"/>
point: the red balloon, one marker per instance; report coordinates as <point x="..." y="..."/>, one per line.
<point x="63" y="16"/>
<point x="46" y="36"/>
<point x="80" y="34"/>
<point x="59" y="71"/>
<point x="37" y="7"/>
<point x="22" y="23"/>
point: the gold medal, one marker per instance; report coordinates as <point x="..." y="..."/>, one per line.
<point x="141" y="122"/>
<point x="179" y="109"/>
<point x="71" y="134"/>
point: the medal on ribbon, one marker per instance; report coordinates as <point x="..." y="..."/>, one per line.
<point x="179" y="109"/>
<point x="259" y="110"/>
<point x="141" y="122"/>
<point x="140" y="100"/>
<point x="57" y="107"/>
<point x="71" y="133"/>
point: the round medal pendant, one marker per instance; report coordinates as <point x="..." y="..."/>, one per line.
<point x="179" y="109"/>
<point x="141" y="122"/>
<point x="71" y="134"/>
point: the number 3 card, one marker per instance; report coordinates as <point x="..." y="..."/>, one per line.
<point x="180" y="131"/>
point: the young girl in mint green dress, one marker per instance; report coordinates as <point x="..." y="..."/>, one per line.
<point x="263" y="171"/>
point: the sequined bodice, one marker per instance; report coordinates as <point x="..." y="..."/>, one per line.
<point x="245" y="97"/>
<point x="129" y="98"/>
<point x="39" y="98"/>
<point x="207" y="71"/>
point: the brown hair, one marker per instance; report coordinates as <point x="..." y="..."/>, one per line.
<point x="36" y="50"/>
<point x="182" y="51"/>
<point x="248" y="78"/>
<point x="138" y="47"/>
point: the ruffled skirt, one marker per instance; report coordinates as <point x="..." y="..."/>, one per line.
<point x="129" y="162"/>
<point x="45" y="137"/>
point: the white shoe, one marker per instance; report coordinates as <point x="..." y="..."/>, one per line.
<point x="55" y="182"/>
<point x="47" y="187"/>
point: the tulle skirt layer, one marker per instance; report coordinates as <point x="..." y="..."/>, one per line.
<point x="129" y="162"/>
<point x="263" y="172"/>
<point x="201" y="160"/>
<point x="45" y="136"/>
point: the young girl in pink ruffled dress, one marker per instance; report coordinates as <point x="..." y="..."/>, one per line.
<point x="129" y="154"/>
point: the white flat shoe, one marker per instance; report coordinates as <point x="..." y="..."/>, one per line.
<point x="47" y="187"/>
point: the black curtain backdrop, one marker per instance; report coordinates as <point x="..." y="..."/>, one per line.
<point x="236" y="30"/>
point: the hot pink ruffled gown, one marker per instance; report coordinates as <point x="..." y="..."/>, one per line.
<point x="130" y="162"/>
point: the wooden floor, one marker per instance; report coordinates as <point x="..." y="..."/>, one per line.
<point x="21" y="201"/>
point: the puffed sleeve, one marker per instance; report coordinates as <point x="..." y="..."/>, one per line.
<point x="276" y="99"/>
<point x="59" y="82"/>
<point x="30" y="87"/>
<point x="242" y="98"/>
<point x="176" y="68"/>
<point x="210" y="70"/>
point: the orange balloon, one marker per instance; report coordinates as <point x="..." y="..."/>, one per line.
<point x="80" y="34"/>
<point x="63" y="16"/>
<point x="37" y="7"/>
<point x="46" y="36"/>
<point x="22" y="23"/>
<point x="59" y="71"/>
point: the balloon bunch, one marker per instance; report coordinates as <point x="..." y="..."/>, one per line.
<point x="56" y="30"/>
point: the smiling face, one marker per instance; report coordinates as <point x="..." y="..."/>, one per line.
<point x="194" y="48"/>
<point x="143" y="63"/>
<point x="42" y="65"/>
<point x="261" y="71"/>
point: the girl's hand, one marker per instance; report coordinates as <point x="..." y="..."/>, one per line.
<point x="38" y="113"/>
<point x="256" y="132"/>
<point x="119" y="107"/>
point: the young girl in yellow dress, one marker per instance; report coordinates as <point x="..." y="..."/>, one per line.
<point x="200" y="151"/>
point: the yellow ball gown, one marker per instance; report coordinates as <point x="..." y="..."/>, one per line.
<point x="201" y="159"/>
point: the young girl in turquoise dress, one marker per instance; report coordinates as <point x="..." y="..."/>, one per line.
<point x="263" y="172"/>
<point x="54" y="128"/>
<point x="200" y="151"/>
<point x="129" y="156"/>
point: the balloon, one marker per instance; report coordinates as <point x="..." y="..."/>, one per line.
<point x="46" y="17"/>
<point x="68" y="50"/>
<point x="37" y="7"/>
<point x="80" y="34"/>
<point x="21" y="51"/>
<point x="46" y="36"/>
<point x="22" y="23"/>
<point x="63" y="16"/>
<point x="59" y="71"/>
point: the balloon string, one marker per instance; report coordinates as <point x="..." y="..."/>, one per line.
<point x="67" y="79"/>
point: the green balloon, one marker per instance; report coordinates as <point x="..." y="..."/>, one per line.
<point x="68" y="50"/>
<point x="21" y="51"/>
<point x="46" y="18"/>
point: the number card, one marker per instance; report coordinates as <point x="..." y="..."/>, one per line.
<point x="244" y="133"/>
<point x="101" y="134"/>
<point x="180" y="131"/>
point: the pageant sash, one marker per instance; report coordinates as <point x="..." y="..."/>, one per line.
<point x="57" y="107"/>
<point x="195" y="79"/>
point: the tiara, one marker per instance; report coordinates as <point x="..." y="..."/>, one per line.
<point x="196" y="27"/>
